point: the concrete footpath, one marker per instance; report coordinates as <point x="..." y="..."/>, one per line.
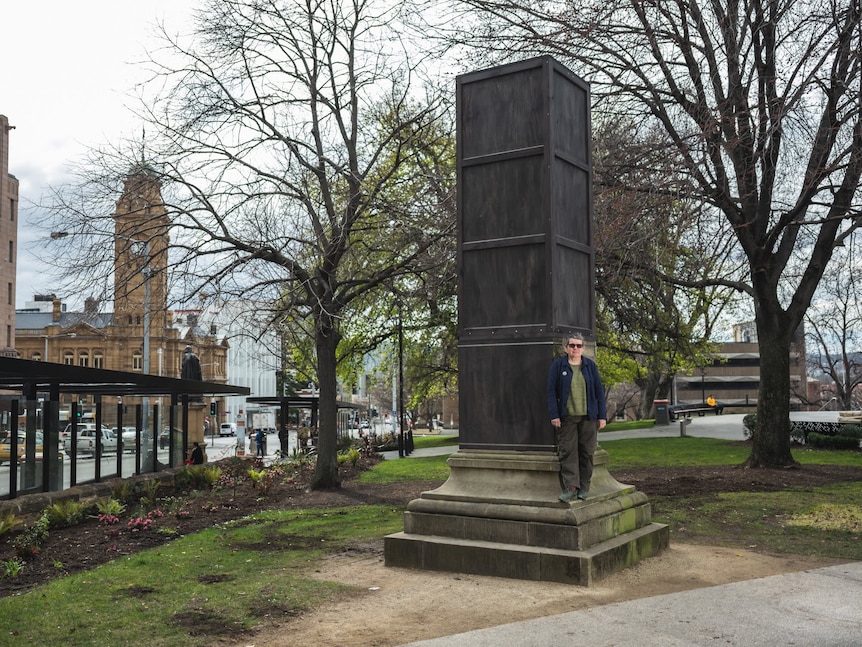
<point x="812" y="608"/>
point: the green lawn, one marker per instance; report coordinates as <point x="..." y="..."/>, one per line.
<point x="226" y="575"/>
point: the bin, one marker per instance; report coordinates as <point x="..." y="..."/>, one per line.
<point x="662" y="416"/>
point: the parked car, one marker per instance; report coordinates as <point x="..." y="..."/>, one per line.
<point x="165" y="438"/>
<point x="82" y="426"/>
<point x="86" y="445"/>
<point x="129" y="436"/>
<point x="6" y="448"/>
<point x="227" y="429"/>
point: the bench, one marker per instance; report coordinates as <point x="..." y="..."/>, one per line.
<point x="687" y="409"/>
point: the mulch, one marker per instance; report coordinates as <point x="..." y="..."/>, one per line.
<point x="92" y="543"/>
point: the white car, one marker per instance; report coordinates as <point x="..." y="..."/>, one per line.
<point x="227" y="429"/>
<point x="87" y="440"/>
<point x="129" y="436"/>
<point x="83" y="426"/>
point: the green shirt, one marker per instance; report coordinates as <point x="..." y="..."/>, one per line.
<point x="576" y="405"/>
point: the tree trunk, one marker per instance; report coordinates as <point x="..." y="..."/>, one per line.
<point x="649" y="387"/>
<point x="326" y="471"/>
<point x="771" y="439"/>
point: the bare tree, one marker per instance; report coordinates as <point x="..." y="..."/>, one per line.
<point x="281" y="132"/>
<point x="833" y="329"/>
<point x="762" y="102"/>
<point x="648" y="232"/>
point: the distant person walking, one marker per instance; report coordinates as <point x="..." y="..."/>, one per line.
<point x="258" y="439"/>
<point x="577" y="407"/>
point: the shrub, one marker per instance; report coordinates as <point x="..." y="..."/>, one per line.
<point x="150" y="498"/>
<point x="797" y="432"/>
<point x="349" y="456"/>
<point x="832" y="442"/>
<point x="235" y="466"/>
<point x="851" y="431"/>
<point x="65" y="513"/>
<point x="344" y="443"/>
<point x="110" y="507"/>
<point x="264" y="480"/>
<point x="256" y="477"/>
<point x="749" y="421"/>
<point x="124" y="492"/>
<point x="27" y="544"/>
<point x="8" y="522"/>
<point x="11" y="568"/>
<point x="199" y="477"/>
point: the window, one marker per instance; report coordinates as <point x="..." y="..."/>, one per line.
<point x="36" y="357"/>
<point x="12" y="209"/>
<point x="68" y="358"/>
<point x="137" y="361"/>
<point x="83" y="359"/>
<point x="11" y="257"/>
<point x="9" y="290"/>
<point x="98" y="360"/>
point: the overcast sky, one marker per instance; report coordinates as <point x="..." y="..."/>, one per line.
<point x="68" y="69"/>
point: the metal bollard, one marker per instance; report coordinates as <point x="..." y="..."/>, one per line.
<point x="683" y="423"/>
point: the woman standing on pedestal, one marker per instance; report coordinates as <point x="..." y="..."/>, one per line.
<point x="577" y="407"/>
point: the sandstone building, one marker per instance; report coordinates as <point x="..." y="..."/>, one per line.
<point x="8" y="243"/>
<point x="46" y="331"/>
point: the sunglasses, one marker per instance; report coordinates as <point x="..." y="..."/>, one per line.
<point x="575" y="345"/>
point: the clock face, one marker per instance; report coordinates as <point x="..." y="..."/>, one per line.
<point x="138" y="248"/>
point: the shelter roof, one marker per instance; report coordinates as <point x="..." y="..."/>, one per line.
<point x="296" y="401"/>
<point x="20" y="374"/>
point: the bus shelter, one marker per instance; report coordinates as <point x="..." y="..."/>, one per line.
<point x="307" y="402"/>
<point x="30" y="409"/>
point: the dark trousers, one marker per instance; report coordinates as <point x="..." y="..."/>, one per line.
<point x="576" y="443"/>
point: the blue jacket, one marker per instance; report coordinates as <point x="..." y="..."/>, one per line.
<point x="560" y="385"/>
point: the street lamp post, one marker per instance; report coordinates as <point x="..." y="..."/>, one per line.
<point x="141" y="249"/>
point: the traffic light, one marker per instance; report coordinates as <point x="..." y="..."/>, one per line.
<point x="212" y="408"/>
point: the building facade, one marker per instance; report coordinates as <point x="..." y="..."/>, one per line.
<point x="8" y="243"/>
<point x="254" y="359"/>
<point x="733" y="378"/>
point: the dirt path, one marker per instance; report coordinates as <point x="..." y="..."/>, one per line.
<point x="394" y="606"/>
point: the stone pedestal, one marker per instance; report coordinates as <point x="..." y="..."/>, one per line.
<point x="197" y="412"/>
<point x="498" y="514"/>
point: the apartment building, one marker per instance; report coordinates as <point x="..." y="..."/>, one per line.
<point x="8" y="243"/>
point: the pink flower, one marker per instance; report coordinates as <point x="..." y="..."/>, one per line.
<point x="139" y="523"/>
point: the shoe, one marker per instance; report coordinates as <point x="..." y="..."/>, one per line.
<point x="583" y="494"/>
<point x="568" y="496"/>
